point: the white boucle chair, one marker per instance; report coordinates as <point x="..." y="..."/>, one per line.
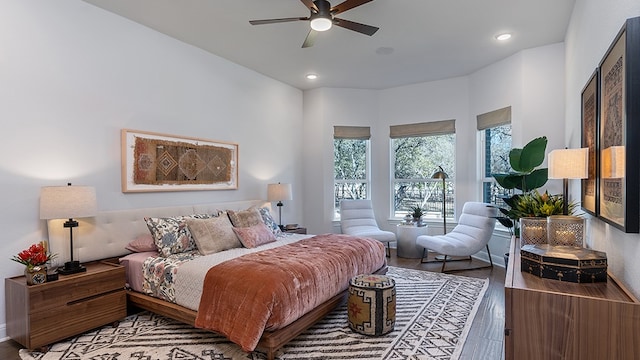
<point x="472" y="233"/>
<point x="357" y="219"/>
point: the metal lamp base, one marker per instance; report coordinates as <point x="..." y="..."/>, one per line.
<point x="71" y="267"/>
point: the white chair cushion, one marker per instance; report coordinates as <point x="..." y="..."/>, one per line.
<point x="472" y="233"/>
<point x="357" y="219"/>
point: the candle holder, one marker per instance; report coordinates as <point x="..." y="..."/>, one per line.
<point x="565" y="230"/>
<point x="533" y="230"/>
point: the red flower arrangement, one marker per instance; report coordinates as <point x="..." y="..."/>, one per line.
<point x="35" y="255"/>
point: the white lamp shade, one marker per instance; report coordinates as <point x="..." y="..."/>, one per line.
<point x="613" y="162"/>
<point x="569" y="164"/>
<point x="278" y="192"/>
<point x="67" y="202"/>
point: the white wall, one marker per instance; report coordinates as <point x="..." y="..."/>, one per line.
<point x="531" y="82"/>
<point x="72" y="75"/>
<point x="594" y="24"/>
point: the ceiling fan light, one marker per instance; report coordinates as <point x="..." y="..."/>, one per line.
<point x="321" y="24"/>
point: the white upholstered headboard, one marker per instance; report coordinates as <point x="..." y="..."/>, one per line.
<point x="106" y="234"/>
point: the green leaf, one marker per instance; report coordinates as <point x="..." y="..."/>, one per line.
<point x="514" y="158"/>
<point x="536" y="179"/>
<point x="532" y="155"/>
<point x="508" y="181"/>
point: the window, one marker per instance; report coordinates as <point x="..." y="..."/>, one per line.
<point x="418" y="150"/>
<point x="350" y="164"/>
<point x="495" y="128"/>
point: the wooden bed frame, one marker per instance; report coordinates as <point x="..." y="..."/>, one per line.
<point x="270" y="341"/>
<point x="106" y="235"/>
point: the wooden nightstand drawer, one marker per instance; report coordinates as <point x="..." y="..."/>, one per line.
<point x="38" y="315"/>
<point x="75" y="287"/>
<point x="53" y="325"/>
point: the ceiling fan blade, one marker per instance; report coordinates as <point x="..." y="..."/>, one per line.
<point x="347" y="5"/>
<point x="309" y="4"/>
<point x="273" y="21"/>
<point x="361" y="28"/>
<point x="310" y="39"/>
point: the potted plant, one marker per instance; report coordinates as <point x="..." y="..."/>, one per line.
<point x="417" y="212"/>
<point x="525" y="177"/>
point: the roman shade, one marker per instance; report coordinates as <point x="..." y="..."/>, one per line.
<point x="352" y="132"/>
<point x="441" y="127"/>
<point x="494" y="118"/>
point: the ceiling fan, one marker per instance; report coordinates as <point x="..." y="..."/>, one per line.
<point x="322" y="18"/>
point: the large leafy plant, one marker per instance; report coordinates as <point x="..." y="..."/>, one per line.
<point x="525" y="176"/>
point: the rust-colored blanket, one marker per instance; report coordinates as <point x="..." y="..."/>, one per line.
<point x="270" y="289"/>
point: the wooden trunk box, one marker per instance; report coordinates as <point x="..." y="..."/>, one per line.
<point x="564" y="263"/>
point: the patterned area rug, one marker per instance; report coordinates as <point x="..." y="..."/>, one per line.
<point x="433" y="316"/>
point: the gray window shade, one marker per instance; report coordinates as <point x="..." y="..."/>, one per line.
<point x="423" y="129"/>
<point x="352" y="132"/>
<point x="494" y="118"/>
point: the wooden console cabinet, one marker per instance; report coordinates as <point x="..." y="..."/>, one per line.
<point x="549" y="319"/>
<point x="39" y="315"/>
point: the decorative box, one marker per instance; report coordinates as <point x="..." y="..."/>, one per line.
<point x="564" y="263"/>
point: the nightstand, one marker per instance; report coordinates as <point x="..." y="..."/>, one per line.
<point x="299" y="230"/>
<point x="39" y="315"/>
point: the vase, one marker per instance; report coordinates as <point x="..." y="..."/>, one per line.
<point x="36" y="275"/>
<point x="533" y="230"/>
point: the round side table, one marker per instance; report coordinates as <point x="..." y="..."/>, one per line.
<point x="406" y="236"/>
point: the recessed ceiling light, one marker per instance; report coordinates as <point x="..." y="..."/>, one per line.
<point x="503" y="37"/>
<point x="312" y="76"/>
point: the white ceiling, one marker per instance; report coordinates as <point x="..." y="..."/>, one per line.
<point x="418" y="40"/>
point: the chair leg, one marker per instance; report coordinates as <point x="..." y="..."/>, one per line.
<point x="388" y="250"/>
<point x="474" y="268"/>
<point x="425" y="253"/>
<point x="444" y="262"/>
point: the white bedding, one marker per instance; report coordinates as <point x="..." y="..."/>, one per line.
<point x="187" y="271"/>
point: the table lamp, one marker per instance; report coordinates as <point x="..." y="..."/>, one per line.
<point x="568" y="164"/>
<point x="278" y="192"/>
<point x="68" y="202"/>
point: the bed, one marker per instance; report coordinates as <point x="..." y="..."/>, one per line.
<point x="107" y="234"/>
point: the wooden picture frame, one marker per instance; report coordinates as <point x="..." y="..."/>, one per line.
<point x="161" y="162"/>
<point x="589" y="139"/>
<point x="619" y="130"/>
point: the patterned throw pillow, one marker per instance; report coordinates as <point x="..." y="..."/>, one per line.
<point x="245" y="218"/>
<point x="171" y="235"/>
<point x="271" y="224"/>
<point x="213" y="235"/>
<point x="255" y="235"/>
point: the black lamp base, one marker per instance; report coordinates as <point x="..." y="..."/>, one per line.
<point x="71" y="267"/>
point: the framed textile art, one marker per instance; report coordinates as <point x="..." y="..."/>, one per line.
<point x="589" y="114"/>
<point x="160" y="162"/>
<point x="619" y="130"/>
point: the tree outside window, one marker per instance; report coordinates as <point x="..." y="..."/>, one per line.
<point x="497" y="145"/>
<point x="351" y="170"/>
<point x="416" y="159"/>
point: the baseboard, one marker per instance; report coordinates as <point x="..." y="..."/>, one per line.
<point x="3" y="332"/>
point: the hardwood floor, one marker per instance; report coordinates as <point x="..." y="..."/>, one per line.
<point x="486" y="337"/>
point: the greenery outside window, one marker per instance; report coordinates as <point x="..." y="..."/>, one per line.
<point x="417" y="150"/>
<point x="351" y="164"/>
<point x="495" y="130"/>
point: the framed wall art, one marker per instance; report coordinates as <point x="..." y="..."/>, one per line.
<point x="160" y="162"/>
<point x="619" y="130"/>
<point x="589" y="114"/>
